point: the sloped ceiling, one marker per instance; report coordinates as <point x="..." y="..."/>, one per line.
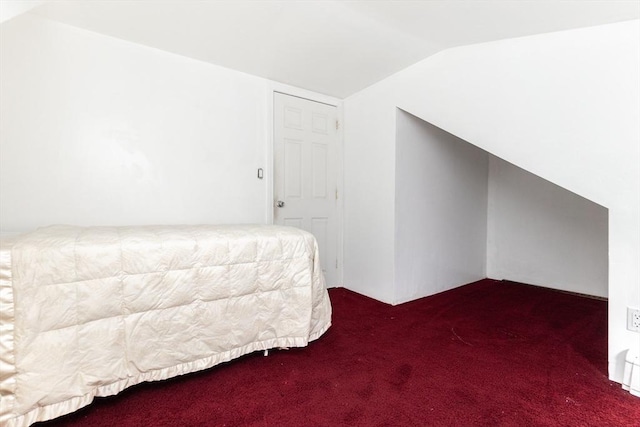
<point x="331" y="47"/>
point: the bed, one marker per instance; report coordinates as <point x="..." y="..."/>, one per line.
<point x="88" y="312"/>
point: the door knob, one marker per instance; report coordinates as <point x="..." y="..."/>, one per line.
<point x="280" y="204"/>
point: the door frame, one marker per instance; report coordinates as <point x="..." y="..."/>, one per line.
<point x="275" y="87"/>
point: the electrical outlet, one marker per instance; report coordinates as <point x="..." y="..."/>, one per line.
<point x="633" y="319"/>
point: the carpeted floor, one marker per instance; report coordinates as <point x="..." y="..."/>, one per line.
<point x="486" y="354"/>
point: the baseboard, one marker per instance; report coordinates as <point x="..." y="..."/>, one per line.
<point x="578" y="294"/>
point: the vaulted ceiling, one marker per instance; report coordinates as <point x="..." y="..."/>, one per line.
<point x="331" y="47"/>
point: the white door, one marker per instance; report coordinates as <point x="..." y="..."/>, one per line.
<point x="305" y="179"/>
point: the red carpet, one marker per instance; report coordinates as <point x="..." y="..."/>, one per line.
<point x="486" y="354"/>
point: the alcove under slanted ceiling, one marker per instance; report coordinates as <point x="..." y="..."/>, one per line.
<point x="462" y="214"/>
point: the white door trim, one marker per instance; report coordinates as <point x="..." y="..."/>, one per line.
<point x="272" y="88"/>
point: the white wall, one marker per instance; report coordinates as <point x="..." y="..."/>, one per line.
<point x="440" y="210"/>
<point x="12" y="8"/>
<point x="369" y="188"/>
<point x="564" y="106"/>
<point x="95" y="130"/>
<point x="541" y="234"/>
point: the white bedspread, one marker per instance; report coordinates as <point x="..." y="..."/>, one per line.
<point x="87" y="312"/>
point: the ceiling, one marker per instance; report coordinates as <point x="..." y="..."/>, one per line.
<point x="331" y="47"/>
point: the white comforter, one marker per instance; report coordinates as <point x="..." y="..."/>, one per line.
<point x="87" y="312"/>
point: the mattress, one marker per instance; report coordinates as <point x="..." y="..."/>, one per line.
<point x="87" y="312"/>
